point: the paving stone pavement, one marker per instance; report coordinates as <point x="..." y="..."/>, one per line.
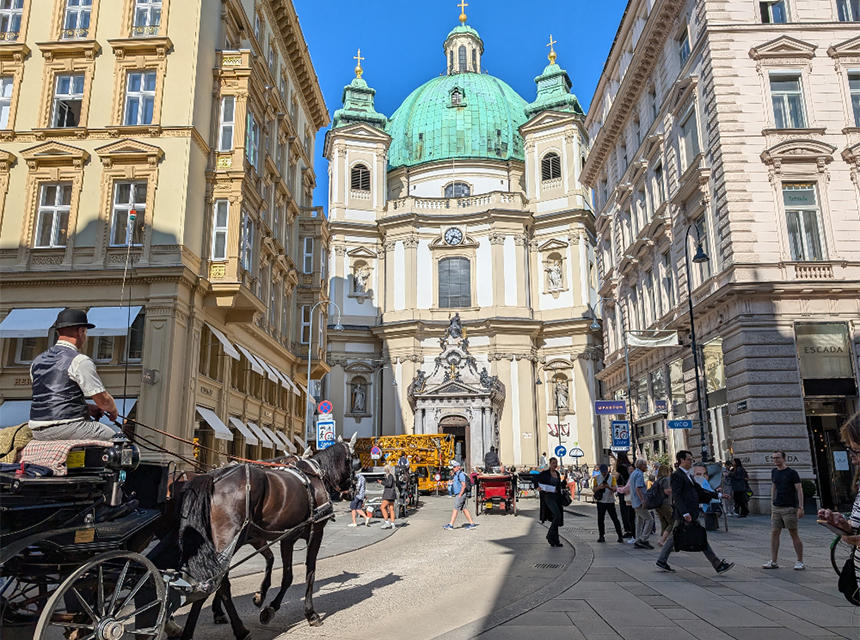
<point x="622" y="594"/>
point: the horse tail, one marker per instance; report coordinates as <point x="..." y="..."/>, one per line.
<point x="196" y="546"/>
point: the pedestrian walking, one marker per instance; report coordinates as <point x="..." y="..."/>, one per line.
<point x="356" y="506"/>
<point x="664" y="511"/>
<point x="644" y="519"/>
<point x="686" y="497"/>
<point x="550" y="482"/>
<point x="786" y="494"/>
<point x="543" y="462"/>
<point x="622" y="470"/>
<point x="739" y="479"/>
<point x="460" y="484"/>
<point x="389" y="495"/>
<point x="604" y="485"/>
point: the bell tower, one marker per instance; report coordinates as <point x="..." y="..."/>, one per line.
<point x="463" y="47"/>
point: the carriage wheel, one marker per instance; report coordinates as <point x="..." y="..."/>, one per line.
<point x="113" y="596"/>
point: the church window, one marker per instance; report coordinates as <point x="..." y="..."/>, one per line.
<point x="456" y="98"/>
<point x="454" y="283"/>
<point x="451" y="61"/>
<point x="475" y="60"/>
<point x="457" y="190"/>
<point x="359" y="178"/>
<point x="550" y="166"/>
<point x="461" y="58"/>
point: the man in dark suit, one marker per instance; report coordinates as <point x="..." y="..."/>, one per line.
<point x="686" y="497"/>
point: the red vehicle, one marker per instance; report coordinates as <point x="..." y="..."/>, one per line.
<point x="496" y="491"/>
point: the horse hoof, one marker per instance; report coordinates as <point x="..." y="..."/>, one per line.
<point x="314" y="620"/>
<point x="258" y="599"/>
<point x="266" y="615"/>
<point x="220" y="619"/>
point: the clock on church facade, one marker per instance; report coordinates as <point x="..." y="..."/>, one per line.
<point x="459" y="228"/>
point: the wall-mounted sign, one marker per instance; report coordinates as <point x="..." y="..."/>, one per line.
<point x="610" y="407"/>
<point x="679" y="424"/>
<point x="823" y="350"/>
<point x="661" y="406"/>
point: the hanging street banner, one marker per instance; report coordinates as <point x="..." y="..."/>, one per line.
<point x="679" y="424"/>
<point x="652" y="339"/>
<point x="325" y="434"/>
<point x="610" y="407"/>
<point x="620" y="435"/>
<point x="661" y="406"/>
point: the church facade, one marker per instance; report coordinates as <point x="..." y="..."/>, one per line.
<point x="463" y="262"/>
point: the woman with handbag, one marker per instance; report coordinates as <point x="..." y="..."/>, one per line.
<point x="552" y="488"/>
<point x="604" y="495"/>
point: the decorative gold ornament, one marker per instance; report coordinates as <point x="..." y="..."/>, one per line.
<point x="552" y="55"/>
<point x="463" y="6"/>
<point x="358" y="69"/>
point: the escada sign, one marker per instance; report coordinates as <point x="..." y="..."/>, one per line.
<point x="823" y="350"/>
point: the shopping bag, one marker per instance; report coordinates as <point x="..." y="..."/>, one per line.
<point x="690" y="536"/>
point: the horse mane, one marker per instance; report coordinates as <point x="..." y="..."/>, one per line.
<point x="333" y="460"/>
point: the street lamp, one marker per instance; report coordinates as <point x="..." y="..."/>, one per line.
<point x="699" y="258"/>
<point x="309" y="405"/>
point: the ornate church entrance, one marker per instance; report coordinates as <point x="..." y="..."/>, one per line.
<point x="458" y="427"/>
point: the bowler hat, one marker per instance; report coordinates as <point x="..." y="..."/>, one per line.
<point x="72" y="318"/>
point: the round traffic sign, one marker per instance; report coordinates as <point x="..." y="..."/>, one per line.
<point x="560" y="451"/>
<point x="375" y="453"/>
<point x="576" y="452"/>
<point x="437" y="477"/>
<point x="325" y="406"/>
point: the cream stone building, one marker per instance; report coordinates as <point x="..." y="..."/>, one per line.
<point x="734" y="124"/>
<point x="463" y="260"/>
<point x="164" y="182"/>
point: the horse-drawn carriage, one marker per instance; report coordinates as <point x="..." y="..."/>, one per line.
<point x="496" y="491"/>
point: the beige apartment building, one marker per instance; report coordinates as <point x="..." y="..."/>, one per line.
<point x="156" y="168"/>
<point x="735" y="124"/>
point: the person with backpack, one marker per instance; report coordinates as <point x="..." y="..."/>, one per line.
<point x="462" y="487"/>
<point x="604" y="485"/>
<point x="659" y="500"/>
<point x="550" y="483"/>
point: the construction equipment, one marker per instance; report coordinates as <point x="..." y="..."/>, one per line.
<point x="428" y="454"/>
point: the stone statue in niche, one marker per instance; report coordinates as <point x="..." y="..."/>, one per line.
<point x="359" y="398"/>
<point x="360" y="278"/>
<point x="553" y="272"/>
<point x="561" y="398"/>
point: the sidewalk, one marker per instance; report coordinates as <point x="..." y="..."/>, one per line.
<point x="622" y="594"/>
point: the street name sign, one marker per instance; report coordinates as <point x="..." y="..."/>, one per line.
<point x="679" y="424"/>
<point x="610" y="407"/>
<point x="620" y="435"/>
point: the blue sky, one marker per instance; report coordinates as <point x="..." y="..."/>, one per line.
<point x="402" y="44"/>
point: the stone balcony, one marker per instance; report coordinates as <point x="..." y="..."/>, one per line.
<point x="499" y="200"/>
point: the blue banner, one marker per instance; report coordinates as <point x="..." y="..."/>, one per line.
<point x="620" y="435"/>
<point x="679" y="424"/>
<point x="610" y="407"/>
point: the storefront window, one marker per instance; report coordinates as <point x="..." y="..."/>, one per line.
<point x="676" y="384"/>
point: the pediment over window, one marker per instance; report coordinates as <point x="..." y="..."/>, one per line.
<point x="549" y="245"/>
<point x="358" y="367"/>
<point x="682" y="92"/>
<point x="87" y="49"/>
<point x="783" y="47"/>
<point x="130" y="47"/>
<point x="547" y="119"/>
<point x="851" y="155"/>
<point x="799" y="151"/>
<point x="54" y="154"/>
<point x="559" y="364"/>
<point x="451" y="389"/>
<point x="130" y="152"/>
<point x="467" y="242"/>
<point x="848" y="49"/>
<point x="361" y="252"/>
<point x="6" y="161"/>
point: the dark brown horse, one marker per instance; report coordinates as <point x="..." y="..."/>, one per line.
<point x="229" y="507"/>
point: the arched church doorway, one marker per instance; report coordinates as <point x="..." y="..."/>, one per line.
<point x="458" y="427"/>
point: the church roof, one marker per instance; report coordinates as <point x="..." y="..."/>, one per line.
<point x="358" y="106"/>
<point x="553" y="92"/>
<point x="429" y="125"/>
<point x="463" y="29"/>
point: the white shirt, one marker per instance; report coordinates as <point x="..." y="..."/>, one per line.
<point x="83" y="371"/>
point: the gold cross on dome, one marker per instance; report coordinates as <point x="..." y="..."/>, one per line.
<point x="552" y="55"/>
<point x="463" y="4"/>
<point x="358" y="69"/>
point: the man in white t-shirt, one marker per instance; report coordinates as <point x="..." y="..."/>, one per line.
<point x="62" y="379"/>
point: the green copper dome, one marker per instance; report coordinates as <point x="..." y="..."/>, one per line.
<point x="431" y="126"/>
<point x="463" y="28"/>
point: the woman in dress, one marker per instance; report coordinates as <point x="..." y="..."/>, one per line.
<point x="550" y="482"/>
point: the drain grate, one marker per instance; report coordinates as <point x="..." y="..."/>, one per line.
<point x="546" y="565"/>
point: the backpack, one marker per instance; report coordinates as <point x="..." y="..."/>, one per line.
<point x="655" y="496"/>
<point x="467" y="482"/>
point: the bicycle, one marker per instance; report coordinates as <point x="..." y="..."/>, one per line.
<point x="840" y="552"/>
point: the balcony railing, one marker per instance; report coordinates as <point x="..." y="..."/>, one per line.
<point x="494" y="200"/>
<point x="813" y="271"/>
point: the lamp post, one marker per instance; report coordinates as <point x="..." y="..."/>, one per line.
<point x="699" y="258"/>
<point x="309" y="405"/>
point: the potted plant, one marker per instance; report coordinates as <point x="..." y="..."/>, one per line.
<point x="810" y="500"/>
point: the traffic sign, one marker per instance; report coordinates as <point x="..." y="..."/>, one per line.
<point x="325" y="407"/>
<point x="560" y="451"/>
<point x="375" y="453"/>
<point x="437" y="477"/>
<point x="576" y="452"/>
<point x="610" y="407"/>
<point x="620" y="435"/>
<point x="325" y="434"/>
<point x="680" y="424"/>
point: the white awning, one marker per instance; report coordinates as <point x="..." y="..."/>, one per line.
<point x="229" y="349"/>
<point x="124" y="406"/>
<point x="14" y="412"/>
<point x="264" y="439"/>
<point x="255" y="365"/>
<point x="286" y="440"/>
<point x="274" y="438"/>
<point x="111" y="321"/>
<point x="270" y="372"/>
<point x="290" y="384"/>
<point x="304" y="389"/>
<point x="242" y="428"/>
<point x="220" y="429"/>
<point x="29" y="323"/>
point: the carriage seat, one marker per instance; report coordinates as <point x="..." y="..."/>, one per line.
<point x="66" y="457"/>
<point x="12" y="440"/>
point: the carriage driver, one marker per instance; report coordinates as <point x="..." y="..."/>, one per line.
<point x="62" y="379"/>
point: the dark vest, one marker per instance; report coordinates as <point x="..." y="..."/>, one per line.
<point x="56" y="396"/>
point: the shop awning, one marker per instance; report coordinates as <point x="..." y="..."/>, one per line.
<point x="270" y="372"/>
<point x="111" y="321"/>
<point x="124" y="406"/>
<point x="304" y="389"/>
<point x="222" y="432"/>
<point x="290" y="384"/>
<point x="229" y="349"/>
<point x="14" y="412"/>
<point x="255" y="365"/>
<point x="242" y="428"/>
<point x="29" y="323"/>
<point x="274" y="438"/>
<point x="289" y="445"/>
<point x="261" y="435"/>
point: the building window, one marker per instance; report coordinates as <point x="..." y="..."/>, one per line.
<point x="803" y="221"/>
<point x="147" y="17"/>
<point x="134" y="340"/>
<point x="854" y="90"/>
<point x="246" y="243"/>
<point x="456" y="98"/>
<point x="454" y="283"/>
<point x="848" y="10"/>
<point x="52" y="226"/>
<point x="461" y="58"/>
<point x="26" y="349"/>
<point x="773" y="12"/>
<point x="475" y="60"/>
<point x="129" y="200"/>
<point x="225" y="125"/>
<point x="787" y="97"/>
<point x="76" y="21"/>
<point x="102" y="348"/>
<point x="668" y="281"/>
<point x="6" y="84"/>
<point x="690" y="135"/>
<point x="550" y="167"/>
<point x="10" y="18"/>
<point x="359" y="178"/>
<point x="306" y="324"/>
<point x="458" y="190"/>
<point x="252" y="144"/>
<point x="684" y="45"/>
<point x="308" y="255"/>
<point x="660" y="189"/>
<point x="139" y="98"/>
<point x="219" y="230"/>
<point x="68" y="100"/>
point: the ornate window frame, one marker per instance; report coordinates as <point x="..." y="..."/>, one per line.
<point x="58" y="18"/>
<point x="460" y="252"/>
<point x="66" y="57"/>
<point x="786" y="55"/>
<point x="12" y="56"/>
<point x="138" y="54"/>
<point x="128" y="20"/>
